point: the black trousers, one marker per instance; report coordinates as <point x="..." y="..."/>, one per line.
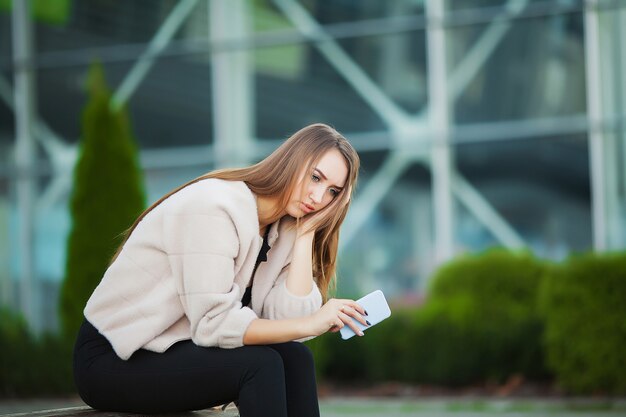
<point x="272" y="380"/>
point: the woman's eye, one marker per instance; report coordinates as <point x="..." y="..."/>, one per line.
<point x="315" y="178"/>
<point x="334" y="192"/>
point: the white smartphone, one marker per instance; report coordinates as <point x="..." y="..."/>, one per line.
<point x="377" y="310"/>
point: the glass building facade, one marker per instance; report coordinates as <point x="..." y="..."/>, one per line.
<point x="480" y="123"/>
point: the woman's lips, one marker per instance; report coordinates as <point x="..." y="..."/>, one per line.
<point x="306" y="208"/>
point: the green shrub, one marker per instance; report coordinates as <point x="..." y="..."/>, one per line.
<point x="454" y="344"/>
<point x="338" y="359"/>
<point x="488" y="305"/>
<point x="30" y="366"/>
<point x="380" y="354"/>
<point x="106" y="198"/>
<point x="481" y="322"/>
<point x="584" y="302"/>
<point x="388" y="353"/>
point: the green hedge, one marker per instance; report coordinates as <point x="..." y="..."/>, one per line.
<point x="488" y="304"/>
<point x="481" y="322"/>
<point x="584" y="302"/>
<point x="31" y="366"/>
<point x="488" y="317"/>
<point x="496" y="314"/>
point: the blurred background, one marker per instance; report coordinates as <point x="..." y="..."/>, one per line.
<point x="480" y="123"/>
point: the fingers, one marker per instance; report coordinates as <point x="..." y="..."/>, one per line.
<point x="346" y="314"/>
<point x="352" y="311"/>
<point x="336" y="324"/>
<point x="346" y="310"/>
<point x="354" y="305"/>
<point x="350" y="323"/>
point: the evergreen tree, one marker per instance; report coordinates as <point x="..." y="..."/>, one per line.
<point x="107" y="197"/>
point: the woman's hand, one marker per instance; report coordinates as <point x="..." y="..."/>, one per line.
<point x="335" y="314"/>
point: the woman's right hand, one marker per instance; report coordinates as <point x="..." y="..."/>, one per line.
<point x="335" y="314"/>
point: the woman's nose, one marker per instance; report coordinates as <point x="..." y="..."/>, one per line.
<point x="316" y="194"/>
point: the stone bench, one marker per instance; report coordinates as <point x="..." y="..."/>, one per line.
<point x="85" y="411"/>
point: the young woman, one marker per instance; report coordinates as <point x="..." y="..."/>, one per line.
<point x="216" y="284"/>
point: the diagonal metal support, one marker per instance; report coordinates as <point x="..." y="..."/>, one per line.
<point x="398" y="121"/>
<point x="377" y="187"/>
<point x="61" y="154"/>
<point x="485" y="213"/>
<point x="145" y="62"/>
<point x="475" y="58"/>
<point x="369" y="91"/>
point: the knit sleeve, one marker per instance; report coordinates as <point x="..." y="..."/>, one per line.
<point x="281" y="303"/>
<point x="202" y="249"/>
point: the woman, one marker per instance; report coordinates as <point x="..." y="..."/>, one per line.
<point x="215" y="285"/>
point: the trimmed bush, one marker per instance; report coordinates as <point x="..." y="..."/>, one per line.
<point x="488" y="302"/>
<point x="481" y="322"/>
<point x="338" y="359"/>
<point x="30" y="366"/>
<point x="454" y="344"/>
<point x="107" y="197"/>
<point x="584" y="302"/>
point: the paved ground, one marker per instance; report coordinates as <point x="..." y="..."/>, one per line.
<point x="353" y="407"/>
<point x="438" y="407"/>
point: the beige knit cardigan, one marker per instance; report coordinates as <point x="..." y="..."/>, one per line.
<point x="182" y="273"/>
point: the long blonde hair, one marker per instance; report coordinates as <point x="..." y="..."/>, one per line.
<point x="277" y="175"/>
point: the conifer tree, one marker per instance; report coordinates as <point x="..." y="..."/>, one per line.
<point x="107" y="196"/>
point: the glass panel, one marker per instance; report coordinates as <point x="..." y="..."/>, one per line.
<point x="538" y="183"/>
<point x="103" y="23"/>
<point x="6" y="286"/>
<point x="539" y="186"/>
<point x="393" y="250"/>
<point x="316" y="92"/>
<point x="345" y="11"/>
<point x="535" y="70"/>
<point x="183" y="119"/>
<point x="476" y="5"/>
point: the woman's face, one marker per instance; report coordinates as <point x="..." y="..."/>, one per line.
<point x="318" y="188"/>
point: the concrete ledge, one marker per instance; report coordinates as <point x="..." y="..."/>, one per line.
<point x="231" y="411"/>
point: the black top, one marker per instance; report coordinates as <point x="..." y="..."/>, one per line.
<point x="247" y="296"/>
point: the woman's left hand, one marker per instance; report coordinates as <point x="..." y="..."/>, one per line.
<point x="336" y="314"/>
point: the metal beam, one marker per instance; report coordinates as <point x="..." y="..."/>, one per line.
<point x="61" y="154"/>
<point x="476" y="57"/>
<point x="24" y="98"/>
<point x="146" y="60"/>
<point x="486" y="213"/>
<point x="440" y="119"/>
<point x="232" y="85"/>
<point x="383" y="26"/>
<point x="352" y="73"/>
<point x="594" y="111"/>
<point x="617" y="37"/>
<point x="612" y="105"/>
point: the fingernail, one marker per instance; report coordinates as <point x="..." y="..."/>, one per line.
<point x="360" y="333"/>
<point x="366" y="312"/>
<point x="368" y="323"/>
